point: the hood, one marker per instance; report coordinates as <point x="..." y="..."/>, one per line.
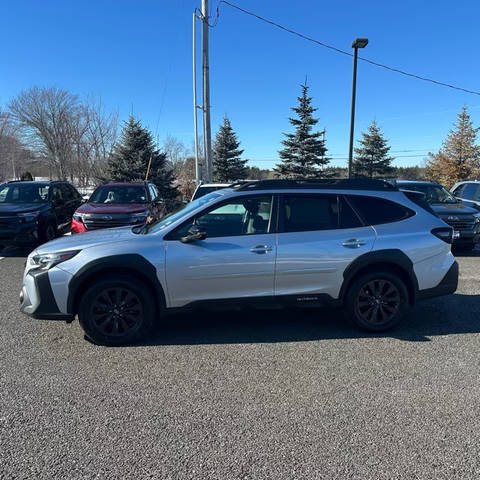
<point x="22" y="207"/>
<point x="88" y="239"/>
<point x="103" y="208"/>
<point x="452" y="209"/>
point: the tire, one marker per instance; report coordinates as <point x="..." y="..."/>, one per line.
<point x="366" y="294"/>
<point x="117" y="310"/>
<point x="49" y="233"/>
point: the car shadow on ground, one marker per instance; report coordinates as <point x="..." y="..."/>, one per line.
<point x="450" y="315"/>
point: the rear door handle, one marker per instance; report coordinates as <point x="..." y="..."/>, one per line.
<point x="353" y="243"/>
<point x="261" y="249"/>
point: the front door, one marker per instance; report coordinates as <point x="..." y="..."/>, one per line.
<point x="319" y="236"/>
<point x="235" y="260"/>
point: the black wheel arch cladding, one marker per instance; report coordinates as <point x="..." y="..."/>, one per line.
<point x="126" y="263"/>
<point x="390" y="258"/>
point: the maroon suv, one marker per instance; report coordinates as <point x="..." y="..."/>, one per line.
<point x="117" y="205"/>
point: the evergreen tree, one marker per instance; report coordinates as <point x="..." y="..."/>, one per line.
<point x="227" y="163"/>
<point x="459" y="157"/>
<point x="130" y="158"/>
<point x="372" y="159"/>
<point x="304" y="152"/>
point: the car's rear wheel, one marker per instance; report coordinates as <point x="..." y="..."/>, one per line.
<point x="117" y="311"/>
<point x="377" y="301"/>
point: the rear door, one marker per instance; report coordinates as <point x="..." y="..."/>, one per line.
<point x="319" y="236"/>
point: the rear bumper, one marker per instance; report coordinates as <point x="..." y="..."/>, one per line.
<point x="448" y="285"/>
<point x="37" y="299"/>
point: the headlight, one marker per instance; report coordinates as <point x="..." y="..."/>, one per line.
<point x="28" y="217"/>
<point x="476" y="216"/>
<point x="77" y="217"/>
<point x="45" y="261"/>
<point x="139" y="217"/>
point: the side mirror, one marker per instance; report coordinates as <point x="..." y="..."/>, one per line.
<point x="194" y="233"/>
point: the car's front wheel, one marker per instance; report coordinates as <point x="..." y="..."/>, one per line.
<point x="49" y="233"/>
<point x="117" y="310"/>
<point x="377" y="301"/>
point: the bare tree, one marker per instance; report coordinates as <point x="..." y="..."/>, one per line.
<point x="175" y="150"/>
<point x="74" y="137"/>
<point x="46" y="116"/>
<point x="14" y="157"/>
<point x="94" y="135"/>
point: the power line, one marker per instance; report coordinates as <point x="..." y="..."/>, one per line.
<point x="344" y="52"/>
<point x="332" y="158"/>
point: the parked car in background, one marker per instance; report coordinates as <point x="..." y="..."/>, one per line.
<point x="468" y="192"/>
<point x="205" y="188"/>
<point x="119" y="205"/>
<point x="360" y="244"/>
<point x="465" y="220"/>
<point x="35" y="212"/>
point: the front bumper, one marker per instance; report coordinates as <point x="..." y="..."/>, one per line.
<point x="37" y="299"/>
<point x="20" y="235"/>
<point x="448" y="285"/>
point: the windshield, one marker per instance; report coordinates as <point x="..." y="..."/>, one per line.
<point x="181" y="212"/>
<point x="24" y="193"/>
<point x="433" y="193"/>
<point x="109" y="194"/>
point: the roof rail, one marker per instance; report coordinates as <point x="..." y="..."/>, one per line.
<point x="319" y="183"/>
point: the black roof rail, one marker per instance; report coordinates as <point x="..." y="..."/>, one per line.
<point x="319" y="183"/>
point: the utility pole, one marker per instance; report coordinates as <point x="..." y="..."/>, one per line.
<point x="207" y="132"/>
<point x="198" y="174"/>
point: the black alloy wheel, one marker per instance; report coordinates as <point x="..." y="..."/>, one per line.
<point x="377" y="301"/>
<point x="116" y="311"/>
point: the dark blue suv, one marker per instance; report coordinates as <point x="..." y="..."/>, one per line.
<point x="35" y="212"/>
<point x="465" y="220"/>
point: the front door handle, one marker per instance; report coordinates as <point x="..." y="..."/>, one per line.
<point x="353" y="243"/>
<point x="261" y="249"/>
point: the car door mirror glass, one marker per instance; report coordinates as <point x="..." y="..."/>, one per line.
<point x="194" y="233"/>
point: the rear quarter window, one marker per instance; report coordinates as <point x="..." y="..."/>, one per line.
<point x="376" y="211"/>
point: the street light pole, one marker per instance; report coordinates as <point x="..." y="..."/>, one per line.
<point x="357" y="43"/>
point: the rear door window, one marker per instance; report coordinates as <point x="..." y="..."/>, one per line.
<point x="310" y="212"/>
<point x="375" y="210"/>
<point x="67" y="193"/>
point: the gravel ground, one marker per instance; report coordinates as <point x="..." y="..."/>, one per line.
<point x="251" y="395"/>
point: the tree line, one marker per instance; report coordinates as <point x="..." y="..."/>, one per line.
<point x="52" y="132"/>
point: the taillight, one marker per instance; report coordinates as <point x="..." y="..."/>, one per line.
<point x="443" y="233"/>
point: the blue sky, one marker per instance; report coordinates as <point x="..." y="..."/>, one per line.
<point x="136" y="54"/>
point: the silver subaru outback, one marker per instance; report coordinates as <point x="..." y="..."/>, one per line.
<point x="360" y="244"/>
